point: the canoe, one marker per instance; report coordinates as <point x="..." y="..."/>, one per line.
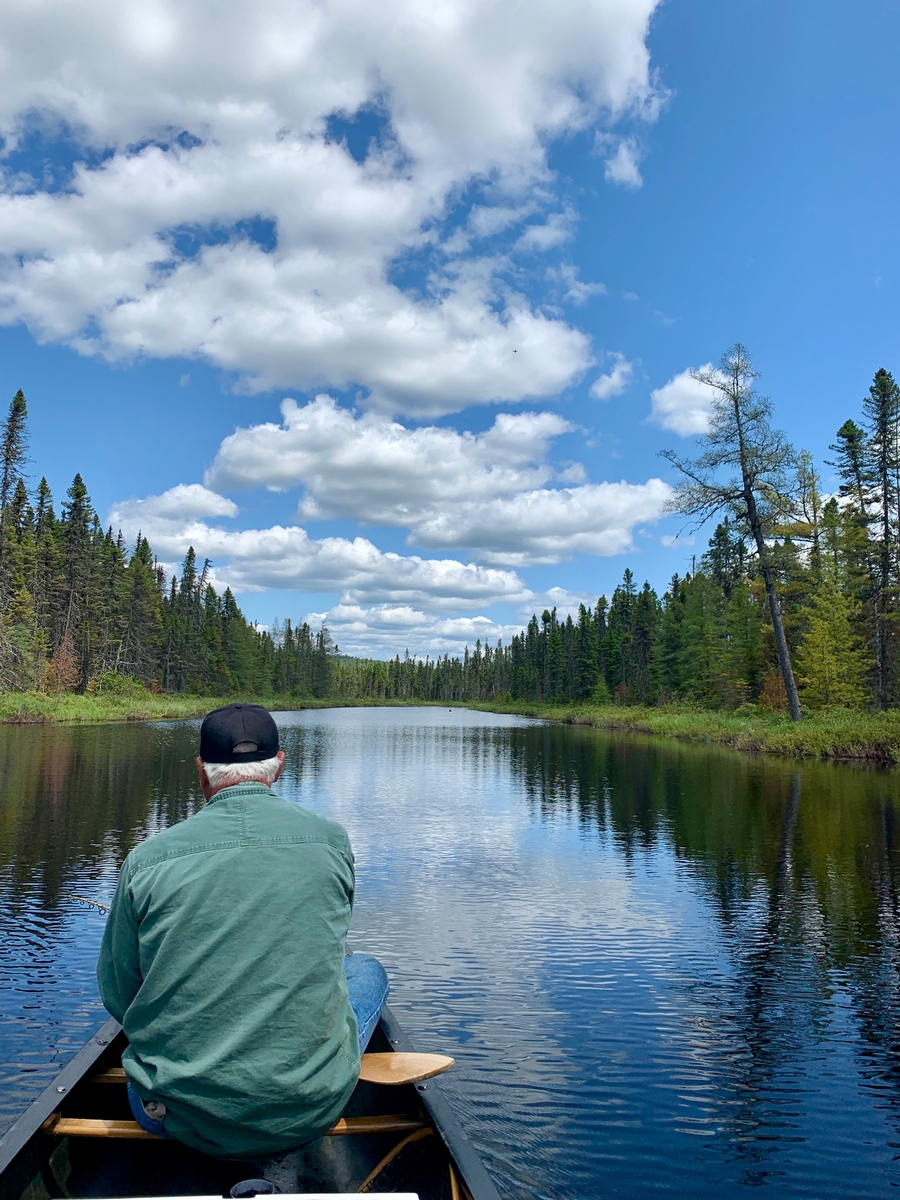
<point x="78" y="1139"/>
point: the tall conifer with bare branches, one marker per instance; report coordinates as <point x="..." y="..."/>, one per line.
<point x="747" y="468"/>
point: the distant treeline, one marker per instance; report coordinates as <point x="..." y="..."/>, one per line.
<point x="707" y="640"/>
<point x="79" y="611"/>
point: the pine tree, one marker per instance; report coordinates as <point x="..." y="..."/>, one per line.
<point x="322" y="670"/>
<point x="744" y="621"/>
<point x="667" y="649"/>
<point x="704" y="655"/>
<point x="554" y="681"/>
<point x="46" y="579"/>
<point x="853" y="466"/>
<point x="646" y="616"/>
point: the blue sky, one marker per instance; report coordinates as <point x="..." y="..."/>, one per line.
<point x="208" y="211"/>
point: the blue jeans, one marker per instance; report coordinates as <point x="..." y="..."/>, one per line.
<point x="367" y="987"/>
<point x="137" y="1111"/>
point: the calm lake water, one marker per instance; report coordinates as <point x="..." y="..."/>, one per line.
<point x="663" y="970"/>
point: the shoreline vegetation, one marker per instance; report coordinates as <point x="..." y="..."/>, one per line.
<point x="840" y="735"/>
<point x="793" y="607"/>
<point x="73" y="708"/>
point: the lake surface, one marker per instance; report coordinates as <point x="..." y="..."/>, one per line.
<point x="663" y="970"/>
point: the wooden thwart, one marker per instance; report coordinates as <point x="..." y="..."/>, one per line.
<point x="394" y="1123"/>
<point x="395" y="1067"/>
<point x="58" y="1126"/>
<point x="110" y="1075"/>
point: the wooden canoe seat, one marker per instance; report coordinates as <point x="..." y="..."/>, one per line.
<point x="59" y="1126"/>
<point x="393" y="1068"/>
<point x="398" y="1066"/>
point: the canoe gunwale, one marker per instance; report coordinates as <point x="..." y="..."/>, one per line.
<point x="462" y="1153"/>
<point x="22" y="1140"/>
<point x="17" y="1137"/>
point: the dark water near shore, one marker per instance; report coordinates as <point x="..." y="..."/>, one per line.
<point x="662" y="969"/>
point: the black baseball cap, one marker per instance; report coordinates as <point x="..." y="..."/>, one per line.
<point x="249" y="726"/>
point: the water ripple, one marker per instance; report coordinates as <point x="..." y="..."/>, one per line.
<point x="662" y="970"/>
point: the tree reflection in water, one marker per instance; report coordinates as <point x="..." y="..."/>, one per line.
<point x="75" y="800"/>
<point x="800" y="864"/>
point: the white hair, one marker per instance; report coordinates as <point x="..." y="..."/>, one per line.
<point x="228" y="774"/>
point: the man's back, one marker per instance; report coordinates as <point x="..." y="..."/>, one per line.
<point x="223" y="957"/>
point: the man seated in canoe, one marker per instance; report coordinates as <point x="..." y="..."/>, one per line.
<point x="224" y="959"/>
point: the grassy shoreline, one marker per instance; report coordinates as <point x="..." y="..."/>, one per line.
<point x="69" y="708"/>
<point x="842" y="734"/>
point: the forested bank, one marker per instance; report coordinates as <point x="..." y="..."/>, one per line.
<point x="81" y="612"/>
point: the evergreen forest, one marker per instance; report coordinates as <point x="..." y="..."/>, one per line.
<point x="81" y="611"/>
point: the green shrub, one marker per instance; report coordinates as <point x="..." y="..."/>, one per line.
<point x="111" y="683"/>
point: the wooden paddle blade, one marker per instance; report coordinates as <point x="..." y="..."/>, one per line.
<point x="400" y="1067"/>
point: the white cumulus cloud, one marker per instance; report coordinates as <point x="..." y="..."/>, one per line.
<point x="220" y="213"/>
<point x="683" y="404"/>
<point x="622" y="167"/>
<point x="623" y="156"/>
<point x="615" y="382"/>
<point x="379" y="471"/>
<point x="548" y="524"/>
<point x="185" y="500"/>
<point x="493" y="494"/>
<point x="286" y="557"/>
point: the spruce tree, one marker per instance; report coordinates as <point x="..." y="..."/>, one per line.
<point x="587" y="657"/>
<point x="703" y="666"/>
<point x="852" y="465"/>
<point x="141" y="617"/>
<point x="726" y="557"/>
<point x="73" y="618"/>
<point x="13" y="447"/>
<point x="882" y="408"/>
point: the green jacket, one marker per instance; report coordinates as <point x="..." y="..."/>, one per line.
<point x="223" y="959"/>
